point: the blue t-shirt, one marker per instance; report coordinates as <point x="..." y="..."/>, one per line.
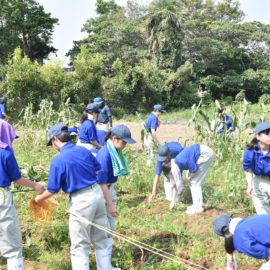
<point x="252" y="236"/>
<point x="255" y="161"/>
<point x="72" y="169"/>
<point x="228" y="123"/>
<point x="105" y="176"/>
<point x="88" y="132"/>
<point x="187" y="159"/>
<point x="175" y="148"/>
<point x="100" y="136"/>
<point x="2" y="110"/>
<point x="151" y="122"/>
<point x="9" y="170"/>
<point x="104" y="115"/>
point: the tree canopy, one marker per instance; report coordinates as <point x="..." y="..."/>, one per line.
<point x="25" y="24"/>
<point x="136" y="56"/>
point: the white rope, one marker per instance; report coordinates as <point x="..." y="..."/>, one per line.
<point x="159" y="252"/>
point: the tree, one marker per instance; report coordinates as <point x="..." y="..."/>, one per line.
<point x="25" y="24"/>
<point x="164" y="34"/>
<point x="114" y="35"/>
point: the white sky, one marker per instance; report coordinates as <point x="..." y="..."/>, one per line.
<point x="72" y="14"/>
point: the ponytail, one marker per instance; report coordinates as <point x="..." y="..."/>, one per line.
<point x="84" y="116"/>
<point x="167" y="167"/>
<point x="228" y="237"/>
<point x="253" y="144"/>
<point x="108" y="136"/>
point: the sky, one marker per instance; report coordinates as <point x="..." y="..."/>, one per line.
<point x="72" y="14"/>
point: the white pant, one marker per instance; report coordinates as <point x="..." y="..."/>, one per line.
<point x="265" y="266"/>
<point x="261" y="195"/>
<point x="205" y="160"/>
<point x="89" y="204"/>
<point x="101" y="126"/>
<point x="148" y="144"/>
<point x="88" y="146"/>
<point x="10" y="231"/>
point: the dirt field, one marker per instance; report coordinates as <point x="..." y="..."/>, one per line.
<point x="165" y="133"/>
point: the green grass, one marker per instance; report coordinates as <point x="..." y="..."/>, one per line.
<point x="192" y="238"/>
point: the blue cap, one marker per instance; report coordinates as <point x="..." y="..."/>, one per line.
<point x="56" y="130"/>
<point x="220" y="222"/>
<point x="92" y="107"/>
<point x="159" y="108"/>
<point x="122" y="132"/>
<point x="98" y="100"/>
<point x="163" y="152"/>
<point x="261" y="127"/>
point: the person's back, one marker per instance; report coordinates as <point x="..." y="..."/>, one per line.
<point x="77" y="168"/>
<point x="186" y="160"/>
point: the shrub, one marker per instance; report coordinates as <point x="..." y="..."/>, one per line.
<point x="265" y="99"/>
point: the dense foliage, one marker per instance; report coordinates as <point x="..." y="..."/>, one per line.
<point x="139" y="55"/>
<point x="25" y="24"/>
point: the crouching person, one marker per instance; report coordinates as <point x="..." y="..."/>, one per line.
<point x="10" y="231"/>
<point x="249" y="236"/>
<point x="197" y="160"/>
<point x="74" y="170"/>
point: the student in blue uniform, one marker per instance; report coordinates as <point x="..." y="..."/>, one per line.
<point x="10" y="231"/>
<point x="150" y="128"/>
<point x="87" y="132"/>
<point x="3" y="114"/>
<point x="197" y="160"/>
<point x="104" y="118"/>
<point x="249" y="236"/>
<point x="226" y="124"/>
<point x="74" y="170"/>
<point x="113" y="164"/>
<point x="256" y="162"/>
<point x="166" y="151"/>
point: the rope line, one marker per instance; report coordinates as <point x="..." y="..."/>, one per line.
<point x="141" y="245"/>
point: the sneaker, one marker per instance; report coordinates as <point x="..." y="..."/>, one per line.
<point x="115" y="268"/>
<point x="191" y="210"/>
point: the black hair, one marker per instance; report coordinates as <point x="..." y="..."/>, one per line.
<point x="253" y="144"/>
<point x="228" y="240"/>
<point x="108" y="136"/>
<point x="167" y="167"/>
<point x="85" y="115"/>
<point x="64" y="136"/>
<point x="221" y="110"/>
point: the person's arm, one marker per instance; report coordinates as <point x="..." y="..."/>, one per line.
<point x="96" y="144"/>
<point x="44" y="196"/>
<point x="108" y="200"/>
<point x="173" y="201"/>
<point x="154" y="188"/>
<point x="249" y="177"/>
<point x="190" y="175"/>
<point x="28" y="183"/>
<point x="154" y="136"/>
<point x="110" y="121"/>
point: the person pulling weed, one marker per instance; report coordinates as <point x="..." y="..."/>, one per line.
<point x="113" y="164"/>
<point x="150" y="136"/>
<point x="249" y="236"/>
<point x="74" y="170"/>
<point x="10" y="231"/>
<point x="197" y="160"/>
<point x="256" y="162"/>
<point x="169" y="150"/>
<point x="88" y="133"/>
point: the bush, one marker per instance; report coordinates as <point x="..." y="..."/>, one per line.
<point x="240" y="96"/>
<point x="265" y="99"/>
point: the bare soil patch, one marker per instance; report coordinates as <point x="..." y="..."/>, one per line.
<point x="166" y="132"/>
